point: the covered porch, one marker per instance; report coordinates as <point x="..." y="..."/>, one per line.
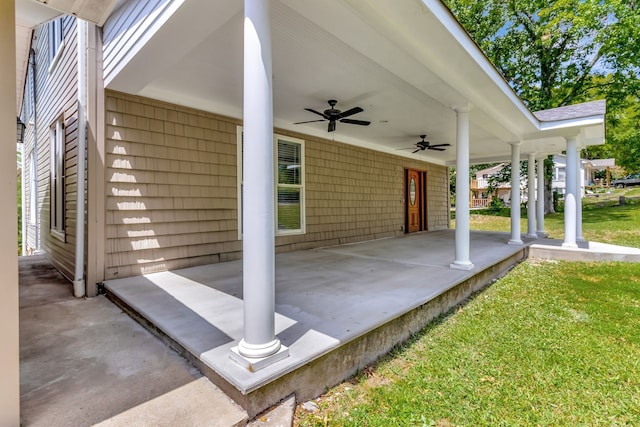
<point x="337" y="308"/>
<point x="333" y="323"/>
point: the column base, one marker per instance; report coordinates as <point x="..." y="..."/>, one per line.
<point x="253" y="364"/>
<point x="531" y="235"/>
<point x="461" y="265"/>
<point x="515" y="242"/>
<point x="542" y="234"/>
<point x="569" y="245"/>
<point x="78" y="288"/>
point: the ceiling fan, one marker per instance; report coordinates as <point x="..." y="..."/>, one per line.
<point x="426" y="145"/>
<point x="334" y="115"/>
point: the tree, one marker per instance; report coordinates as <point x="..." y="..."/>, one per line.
<point x="560" y="52"/>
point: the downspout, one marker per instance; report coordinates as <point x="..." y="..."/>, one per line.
<point x="78" y="281"/>
<point x="23" y="249"/>
<point x="32" y="57"/>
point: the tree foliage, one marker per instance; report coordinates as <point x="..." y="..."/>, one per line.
<point x="560" y="52"/>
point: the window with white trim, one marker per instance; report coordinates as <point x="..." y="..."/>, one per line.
<point x="289" y="186"/>
<point x="56" y="41"/>
<point x="32" y="188"/>
<point x="57" y="196"/>
<point x="289" y="168"/>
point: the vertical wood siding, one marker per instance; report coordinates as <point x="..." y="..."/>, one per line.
<point x="172" y="196"/>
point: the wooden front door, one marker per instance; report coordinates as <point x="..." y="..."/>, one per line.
<point x="414" y="201"/>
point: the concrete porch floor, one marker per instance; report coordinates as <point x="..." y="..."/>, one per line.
<point x="326" y="299"/>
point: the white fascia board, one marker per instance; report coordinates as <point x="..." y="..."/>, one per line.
<point x="572" y="123"/>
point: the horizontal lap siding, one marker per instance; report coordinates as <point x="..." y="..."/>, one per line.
<point x="56" y="91"/>
<point x="172" y="189"/>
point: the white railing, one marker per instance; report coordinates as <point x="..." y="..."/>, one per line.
<point x="484" y="183"/>
<point x="480" y="203"/>
<point x="480" y="183"/>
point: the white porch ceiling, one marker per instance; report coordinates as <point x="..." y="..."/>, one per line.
<point x="397" y="60"/>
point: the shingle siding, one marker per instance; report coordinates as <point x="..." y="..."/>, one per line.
<point x="172" y="189"/>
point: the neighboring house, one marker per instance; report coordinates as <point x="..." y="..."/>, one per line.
<point x="480" y="195"/>
<point x="588" y="169"/>
<point x="594" y="167"/>
<point x="138" y="123"/>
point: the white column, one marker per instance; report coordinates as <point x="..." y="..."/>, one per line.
<point x="531" y="196"/>
<point x="462" y="233"/>
<point x="9" y="356"/>
<point x="540" y="199"/>
<point x="258" y="243"/>
<point x="579" y="183"/>
<point x="515" y="194"/>
<point x="570" y="195"/>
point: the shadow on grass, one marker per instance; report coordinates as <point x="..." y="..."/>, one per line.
<point x="613" y="214"/>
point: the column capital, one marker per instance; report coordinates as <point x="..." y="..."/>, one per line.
<point x="462" y="108"/>
<point x="515" y="143"/>
<point x="571" y="139"/>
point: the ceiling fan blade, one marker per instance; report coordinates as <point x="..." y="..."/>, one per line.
<point x="355" y="122"/>
<point x="332" y="126"/>
<point x="435" y="148"/>
<point x="318" y="113"/>
<point x="350" y="112"/>
<point x="309" y="121"/>
<point x="416" y="151"/>
<point x="440" y="145"/>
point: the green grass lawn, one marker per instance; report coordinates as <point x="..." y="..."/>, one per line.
<point x="551" y="343"/>
<point x="603" y="220"/>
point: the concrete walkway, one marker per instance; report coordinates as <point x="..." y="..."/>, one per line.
<point x="586" y="251"/>
<point x="85" y="362"/>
